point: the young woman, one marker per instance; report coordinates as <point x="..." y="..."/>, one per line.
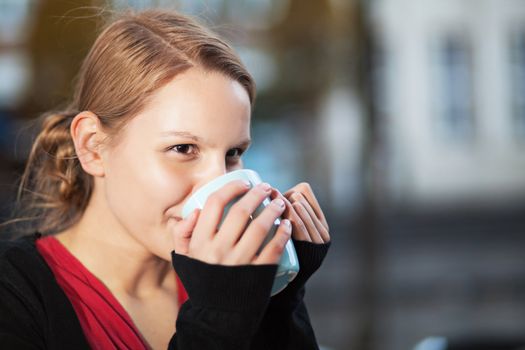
<point x="161" y="107"/>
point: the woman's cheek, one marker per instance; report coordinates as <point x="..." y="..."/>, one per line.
<point x="172" y="184"/>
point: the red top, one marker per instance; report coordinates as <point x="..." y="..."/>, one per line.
<point x="104" y="321"/>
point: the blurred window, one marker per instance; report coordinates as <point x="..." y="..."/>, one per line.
<point x="518" y="83"/>
<point x="14" y="77"/>
<point x="454" y="93"/>
<point x="15" y="16"/>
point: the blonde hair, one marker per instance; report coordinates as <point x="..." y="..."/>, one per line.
<point x="135" y="55"/>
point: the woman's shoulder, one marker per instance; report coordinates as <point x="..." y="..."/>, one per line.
<point x="24" y="275"/>
<point x="21" y="246"/>
<point x="32" y="305"/>
<point x="19" y="256"/>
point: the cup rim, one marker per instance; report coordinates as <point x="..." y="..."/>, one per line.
<point x="195" y="196"/>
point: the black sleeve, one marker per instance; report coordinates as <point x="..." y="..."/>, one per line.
<point x="225" y="305"/>
<point x="229" y="307"/>
<point x="286" y="324"/>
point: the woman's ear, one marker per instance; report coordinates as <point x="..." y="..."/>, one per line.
<point x="87" y="136"/>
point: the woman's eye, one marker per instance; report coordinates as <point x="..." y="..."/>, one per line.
<point x="184" y="149"/>
<point x="236" y="152"/>
<point x="189" y="149"/>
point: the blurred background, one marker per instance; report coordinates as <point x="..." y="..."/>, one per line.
<point x="407" y="117"/>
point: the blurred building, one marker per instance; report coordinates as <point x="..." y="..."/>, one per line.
<point x="451" y="97"/>
<point x="448" y="91"/>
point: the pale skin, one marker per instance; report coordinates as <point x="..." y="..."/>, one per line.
<point x="144" y="176"/>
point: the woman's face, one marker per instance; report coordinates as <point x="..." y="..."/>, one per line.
<point x="193" y="129"/>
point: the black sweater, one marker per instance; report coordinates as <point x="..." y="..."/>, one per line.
<point x="229" y="307"/>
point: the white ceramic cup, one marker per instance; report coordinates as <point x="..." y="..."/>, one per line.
<point x="288" y="265"/>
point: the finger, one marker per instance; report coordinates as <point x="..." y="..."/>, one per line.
<point x="289" y="212"/>
<point x="213" y="209"/>
<point x="182" y="232"/>
<point x="299" y="231"/>
<point x="307" y="191"/>
<point x="272" y="252"/>
<point x="240" y="213"/>
<point x="318" y="225"/>
<point x="257" y="231"/>
<point x="307" y="220"/>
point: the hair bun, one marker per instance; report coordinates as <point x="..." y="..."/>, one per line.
<point x="55" y="178"/>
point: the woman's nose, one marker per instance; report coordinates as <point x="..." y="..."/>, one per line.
<point x="210" y="172"/>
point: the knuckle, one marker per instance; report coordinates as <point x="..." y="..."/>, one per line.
<point x="261" y="190"/>
<point x="298" y="206"/>
<point x="260" y="226"/>
<point x="305" y="185"/>
<point x="241" y="210"/>
<point x="215" y="199"/>
<point x="238" y="183"/>
<point x="241" y="186"/>
<point x="277" y="249"/>
<point x="213" y="257"/>
<point x="300" y="225"/>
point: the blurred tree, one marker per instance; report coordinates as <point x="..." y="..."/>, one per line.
<point x="61" y="35"/>
<point x="319" y="45"/>
<point x="322" y="44"/>
<point x="301" y="46"/>
<point x="372" y="179"/>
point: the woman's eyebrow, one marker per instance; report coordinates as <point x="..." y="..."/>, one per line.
<point x="245" y="144"/>
<point x="182" y="134"/>
<point x="242" y="144"/>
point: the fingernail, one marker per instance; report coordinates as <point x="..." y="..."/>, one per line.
<point x="247" y="183"/>
<point x="278" y="202"/>
<point x="265" y="186"/>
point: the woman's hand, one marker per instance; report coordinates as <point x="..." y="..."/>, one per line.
<point x="303" y="210"/>
<point x="236" y="242"/>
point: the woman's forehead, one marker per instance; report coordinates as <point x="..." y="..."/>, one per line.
<point x="206" y="105"/>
